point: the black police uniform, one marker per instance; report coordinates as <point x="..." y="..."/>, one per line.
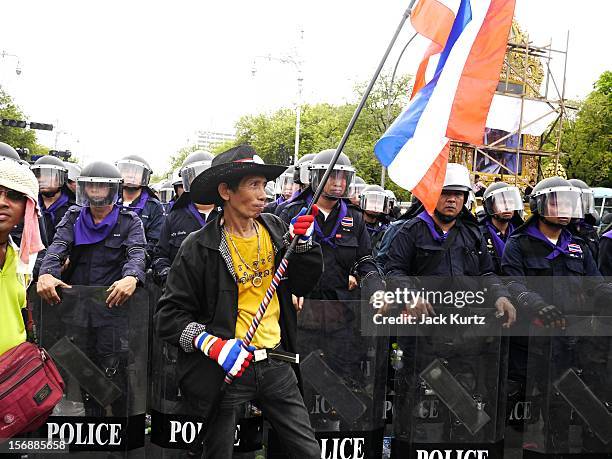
<point x="588" y="233"/>
<point x="54" y="215"/>
<point x="352" y="254"/>
<point x="580" y="289"/>
<point x="178" y="224"/>
<point x="420" y="248"/>
<point x="152" y="216"/>
<point x="103" y="333"/>
<point x="492" y="247"/>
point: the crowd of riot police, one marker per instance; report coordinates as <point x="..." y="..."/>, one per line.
<point x="105" y="225"/>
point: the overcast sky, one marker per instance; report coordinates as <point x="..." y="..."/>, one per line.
<point x="122" y="77"/>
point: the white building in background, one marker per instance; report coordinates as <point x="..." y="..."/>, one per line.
<point x="207" y="140"/>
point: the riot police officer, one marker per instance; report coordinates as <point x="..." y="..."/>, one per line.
<point x="503" y="208"/>
<point x="447" y="243"/>
<point x="97" y="243"/>
<point x="300" y="178"/>
<point x="74" y="170"/>
<point x="539" y="251"/>
<point x="585" y="228"/>
<point x="355" y="190"/>
<point x="139" y="198"/>
<point x="284" y="189"/>
<point x="339" y="228"/>
<point x="543" y="246"/>
<point x="376" y="206"/>
<point x="184" y="218"/>
<point x="54" y="198"/>
<point x="166" y="195"/>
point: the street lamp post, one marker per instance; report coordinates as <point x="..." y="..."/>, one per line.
<point x="4" y="55"/>
<point x="297" y="64"/>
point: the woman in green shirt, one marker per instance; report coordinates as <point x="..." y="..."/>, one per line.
<point x="18" y="204"/>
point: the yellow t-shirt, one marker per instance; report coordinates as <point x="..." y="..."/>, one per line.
<point x="268" y="333"/>
<point x="12" y="299"/>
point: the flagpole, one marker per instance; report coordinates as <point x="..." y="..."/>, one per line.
<point x="196" y="447"/>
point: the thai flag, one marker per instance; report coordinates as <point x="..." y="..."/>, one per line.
<point x="454" y="104"/>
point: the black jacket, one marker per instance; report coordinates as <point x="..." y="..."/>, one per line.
<point x="579" y="284"/>
<point x="605" y="256"/>
<point x="201" y="293"/>
<point x="414" y="245"/>
<point x="351" y="256"/>
<point x="178" y="224"/>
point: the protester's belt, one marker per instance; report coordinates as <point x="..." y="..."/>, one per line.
<point x="276" y="353"/>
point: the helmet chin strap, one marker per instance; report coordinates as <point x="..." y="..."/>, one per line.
<point x="445" y="218"/>
<point x="49" y="194"/>
<point x="551" y="224"/>
<point x="502" y="219"/>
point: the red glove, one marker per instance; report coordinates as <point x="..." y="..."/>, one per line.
<point x="302" y="225"/>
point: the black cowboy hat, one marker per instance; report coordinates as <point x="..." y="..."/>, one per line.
<point x="230" y="165"/>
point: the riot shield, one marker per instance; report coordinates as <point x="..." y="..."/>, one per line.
<point x="569" y="374"/>
<point x="344" y="378"/>
<point x="449" y="385"/>
<point x="101" y="353"/>
<point x="175" y="422"/>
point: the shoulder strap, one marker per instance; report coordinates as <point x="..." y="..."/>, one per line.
<point x="437" y="258"/>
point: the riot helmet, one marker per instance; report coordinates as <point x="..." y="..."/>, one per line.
<point x="98" y="185"/>
<point x="134" y="170"/>
<point x="375" y="199"/>
<point x="457" y="178"/>
<point x="270" y="187"/>
<point x="356" y="188"/>
<point x="196" y="163"/>
<point x="285" y="185"/>
<point x="301" y="175"/>
<point x="556" y="197"/>
<point x="166" y="191"/>
<point x="74" y="170"/>
<point x="340" y="179"/>
<point x="51" y="173"/>
<point x="500" y="198"/>
<point x="8" y="152"/>
<point x="588" y="200"/>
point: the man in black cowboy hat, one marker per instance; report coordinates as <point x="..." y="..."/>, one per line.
<point x="215" y="285"/>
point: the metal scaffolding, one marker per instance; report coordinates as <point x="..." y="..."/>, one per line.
<point x="521" y="61"/>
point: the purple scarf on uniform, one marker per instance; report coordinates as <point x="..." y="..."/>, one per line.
<point x="87" y="232"/>
<point x="498" y="242"/>
<point x="432" y="227"/>
<point x="198" y="216"/>
<point x="607" y="235"/>
<point x="63" y="199"/>
<point x="557" y="249"/>
<point x="144" y="197"/>
<point x="330" y="239"/>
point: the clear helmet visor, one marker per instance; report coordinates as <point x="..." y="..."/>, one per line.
<point x="560" y="204"/>
<point x="588" y="202"/>
<point x="504" y="200"/>
<point x="133" y="174"/>
<point x="191" y="171"/>
<point x="355" y="190"/>
<point x="49" y="178"/>
<point x="285" y="186"/>
<point x="303" y="173"/>
<point x="375" y="202"/>
<point x="165" y="194"/>
<point x="337" y="185"/>
<point x="97" y="193"/>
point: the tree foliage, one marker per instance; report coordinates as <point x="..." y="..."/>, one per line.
<point x="322" y="126"/>
<point x="587" y="139"/>
<point x="17" y="137"/>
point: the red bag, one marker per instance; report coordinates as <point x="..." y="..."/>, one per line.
<point x="30" y="386"/>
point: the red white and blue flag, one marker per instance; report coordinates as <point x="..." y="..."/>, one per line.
<point x="470" y="37"/>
